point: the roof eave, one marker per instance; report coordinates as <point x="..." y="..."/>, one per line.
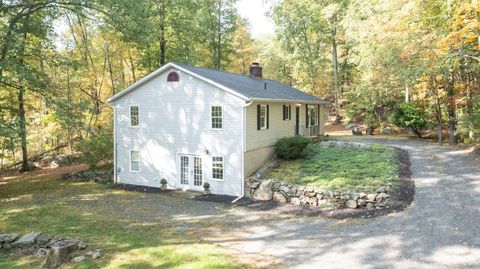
<point x="320" y="102"/>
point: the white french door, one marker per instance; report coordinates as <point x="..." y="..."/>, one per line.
<point x="191" y="171"/>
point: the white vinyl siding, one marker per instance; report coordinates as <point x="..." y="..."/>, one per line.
<point x="134" y="116"/>
<point x="134" y="161"/>
<point x="217" y="117"/>
<point x="176" y="119"/>
<point x="217" y="168"/>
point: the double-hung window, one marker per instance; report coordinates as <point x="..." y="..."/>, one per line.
<point x="134" y="160"/>
<point x="134" y="116"/>
<point x="217" y="117"/>
<point x="263" y="117"/>
<point x="217" y="168"/>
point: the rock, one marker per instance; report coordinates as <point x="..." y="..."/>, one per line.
<point x="345" y="197"/>
<point x="354" y="196"/>
<point x="371" y="197"/>
<point x="26" y="240"/>
<point x="82" y="245"/>
<point x="351" y="204"/>
<point x="8" y="238"/>
<point x="350" y="126"/>
<point x="295" y="201"/>
<point x="41" y="252"/>
<point x="362" y="195"/>
<point x="387" y="131"/>
<point x="310" y="194"/>
<point x="264" y="191"/>
<point x="319" y="196"/>
<point x="43" y="239"/>
<point x="284" y="189"/>
<point x="248" y="192"/>
<point x="381" y="189"/>
<point x="361" y="202"/>
<point x="253" y="183"/>
<point x="313" y="201"/>
<point x="322" y="202"/>
<point x="370" y="206"/>
<point x="276" y="185"/>
<point x="79" y="259"/>
<point x="97" y="254"/>
<point x="279" y="197"/>
<point x="59" y="253"/>
<point x="384" y="195"/>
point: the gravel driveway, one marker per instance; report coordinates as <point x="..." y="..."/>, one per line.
<point x="441" y="229"/>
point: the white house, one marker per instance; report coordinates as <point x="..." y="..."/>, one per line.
<point x="192" y="125"/>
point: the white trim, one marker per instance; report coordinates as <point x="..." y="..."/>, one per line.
<point x="211" y="118"/>
<point x="130" y="116"/>
<point x="294" y="101"/>
<point x="289" y="110"/>
<point x="115" y="144"/>
<point x="265" y="118"/>
<point x="223" y="167"/>
<point x="139" y="161"/>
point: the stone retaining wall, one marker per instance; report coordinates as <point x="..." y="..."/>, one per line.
<point x="283" y="192"/>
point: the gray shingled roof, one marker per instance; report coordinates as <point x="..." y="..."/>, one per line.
<point x="251" y="87"/>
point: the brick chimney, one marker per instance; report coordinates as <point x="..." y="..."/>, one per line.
<point x="256" y="70"/>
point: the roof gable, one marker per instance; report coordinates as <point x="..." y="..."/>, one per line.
<point x="244" y="87"/>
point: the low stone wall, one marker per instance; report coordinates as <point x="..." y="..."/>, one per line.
<point x="100" y="176"/>
<point x="54" y="251"/>
<point x="283" y="192"/>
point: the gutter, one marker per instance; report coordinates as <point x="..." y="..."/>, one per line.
<point x="242" y="194"/>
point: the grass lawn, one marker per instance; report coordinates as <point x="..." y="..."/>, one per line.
<point x="129" y="227"/>
<point x="336" y="168"/>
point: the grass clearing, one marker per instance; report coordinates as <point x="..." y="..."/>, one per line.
<point x="108" y="219"/>
<point x="337" y="168"/>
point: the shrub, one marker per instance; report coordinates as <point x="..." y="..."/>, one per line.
<point x="409" y="116"/>
<point x="206" y="186"/>
<point x="96" y="148"/>
<point x="290" y="148"/>
<point x="163" y="182"/>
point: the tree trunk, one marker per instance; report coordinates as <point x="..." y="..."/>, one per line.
<point x="219" y="37"/>
<point x="452" y="121"/>
<point x="438" y="114"/>
<point x="335" y="72"/>
<point x="22" y="129"/>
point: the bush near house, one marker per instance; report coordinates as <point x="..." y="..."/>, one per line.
<point x="290" y="148"/>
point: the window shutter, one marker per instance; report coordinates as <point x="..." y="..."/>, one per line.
<point x="268" y="116"/>
<point x="318" y="115"/>
<point x="306" y="116"/>
<point x="258" y="117"/>
<point x="284" y="107"/>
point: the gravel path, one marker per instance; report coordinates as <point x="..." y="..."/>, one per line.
<point x="441" y="229"/>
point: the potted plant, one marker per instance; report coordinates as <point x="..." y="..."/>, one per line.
<point x="163" y="182"/>
<point x="206" y="188"/>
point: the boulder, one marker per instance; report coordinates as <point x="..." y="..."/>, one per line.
<point x="60" y="253"/>
<point x="79" y="259"/>
<point x="8" y="238"/>
<point x="279" y="197"/>
<point x="41" y="252"/>
<point x="313" y="201"/>
<point x="370" y="206"/>
<point x="97" y="254"/>
<point x="26" y="240"/>
<point x="253" y="183"/>
<point x="384" y="195"/>
<point x="295" y="201"/>
<point x="43" y="239"/>
<point x="351" y="204"/>
<point x="387" y="131"/>
<point x="264" y="191"/>
<point x="371" y="197"/>
<point x="82" y="245"/>
<point x="381" y="189"/>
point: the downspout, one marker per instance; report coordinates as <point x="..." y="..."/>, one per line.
<point x="244" y="149"/>
<point x="115" y="144"/>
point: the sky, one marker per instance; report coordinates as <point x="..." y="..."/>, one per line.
<point x="254" y="11"/>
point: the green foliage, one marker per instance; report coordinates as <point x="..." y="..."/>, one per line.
<point x="469" y="128"/>
<point x="410" y="116"/>
<point x="290" y="148"/>
<point x="206" y="186"/>
<point x="96" y="148"/>
<point x="333" y="168"/>
<point x="163" y="182"/>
